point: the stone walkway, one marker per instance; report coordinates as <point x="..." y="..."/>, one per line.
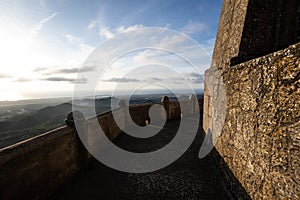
<point x="187" y="178"/>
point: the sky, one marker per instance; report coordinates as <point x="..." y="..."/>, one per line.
<point x="45" y="44"/>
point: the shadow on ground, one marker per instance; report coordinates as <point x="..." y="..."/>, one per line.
<point x="187" y="178"/>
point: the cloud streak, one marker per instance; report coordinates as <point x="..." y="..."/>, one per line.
<point x="39" y="69"/>
<point x="123" y="80"/>
<point x="108" y="33"/>
<point x="92" y="24"/>
<point x="72" y="39"/>
<point x="5" y="76"/>
<point x="23" y="80"/>
<point x="193" y="74"/>
<point x="193" y="78"/>
<point x="41" y="24"/>
<point x="63" y="79"/>
<point x="72" y="70"/>
<point x="194" y="28"/>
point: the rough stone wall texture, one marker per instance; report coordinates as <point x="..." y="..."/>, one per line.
<point x="260" y="141"/>
<point x="227" y="44"/>
<point x="230" y="31"/>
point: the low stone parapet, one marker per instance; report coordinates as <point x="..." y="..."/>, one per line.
<point x="35" y="168"/>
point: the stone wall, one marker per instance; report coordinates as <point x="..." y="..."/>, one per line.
<point x="252" y="108"/>
<point x="35" y="168"/>
<point x="229" y="33"/>
<point x="227" y="44"/>
<point x="263" y="34"/>
<point x="260" y="141"/>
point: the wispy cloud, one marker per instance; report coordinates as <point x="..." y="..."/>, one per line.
<point x="193" y="75"/>
<point x="129" y="28"/>
<point x="41" y="24"/>
<point x="63" y="79"/>
<point x="39" y="69"/>
<point x="194" y="78"/>
<point x="194" y="28"/>
<point x="123" y="80"/>
<point x="155" y="79"/>
<point x="92" y="24"/>
<point x="198" y="80"/>
<point x="80" y="49"/>
<point x="76" y="69"/>
<point x="71" y="70"/>
<point x="72" y="39"/>
<point x="108" y="33"/>
<point x="5" y="76"/>
<point x="208" y="45"/>
<point x="23" y="80"/>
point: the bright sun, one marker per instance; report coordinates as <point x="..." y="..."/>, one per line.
<point x="11" y="96"/>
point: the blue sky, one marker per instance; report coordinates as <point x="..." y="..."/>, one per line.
<point x="44" y="42"/>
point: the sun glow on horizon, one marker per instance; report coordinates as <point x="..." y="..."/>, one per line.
<point x="43" y="44"/>
<point x="10" y="96"/>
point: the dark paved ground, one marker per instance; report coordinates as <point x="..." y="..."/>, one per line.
<point x="187" y="178"/>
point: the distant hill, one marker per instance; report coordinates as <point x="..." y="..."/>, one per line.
<point x="30" y="124"/>
<point x="10" y="109"/>
<point x="34" y="118"/>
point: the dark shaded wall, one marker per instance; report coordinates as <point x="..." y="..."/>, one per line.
<point x="270" y="25"/>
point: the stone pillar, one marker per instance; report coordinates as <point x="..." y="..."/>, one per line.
<point x="82" y="128"/>
<point x="166" y="104"/>
<point x="193" y="102"/>
<point x="125" y="113"/>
